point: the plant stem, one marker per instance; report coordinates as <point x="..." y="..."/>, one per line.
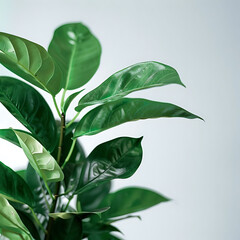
<point x="37" y="220"/>
<point x="72" y="121"/>
<point x="56" y="106"/>
<point x="57" y="187"/>
<point x="69" y="200"/>
<point x="63" y="97"/>
<point x="70" y="153"/>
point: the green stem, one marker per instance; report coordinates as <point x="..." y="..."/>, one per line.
<point x="37" y="220"/>
<point x="56" y="106"/>
<point x="72" y="121"/>
<point x="70" y="153"/>
<point x="69" y="200"/>
<point x="48" y="189"/>
<point x="63" y="97"/>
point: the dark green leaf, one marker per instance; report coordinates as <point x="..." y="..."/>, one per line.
<point x="22" y="173"/>
<point x="124" y="110"/>
<point x="77" y="51"/>
<point x="118" y="158"/>
<point x="98" y="228"/>
<point x="91" y="199"/>
<point x="136" y="77"/>
<point x="40" y="159"/>
<point x="28" y="106"/>
<point x="130" y="200"/>
<point x="67" y="229"/>
<point x="69" y="100"/>
<point x="13" y="187"/>
<point x="31" y="62"/>
<point x="11" y="225"/>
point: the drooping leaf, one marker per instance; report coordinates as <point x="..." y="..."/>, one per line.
<point x="13" y="187"/>
<point x="70" y="229"/>
<point x="69" y="100"/>
<point x="31" y="62"/>
<point x="77" y="51"/>
<point x="130" y="200"/>
<point x="91" y="199"/>
<point x="81" y="215"/>
<point x="124" y="110"/>
<point x="11" y="225"/>
<point x="40" y="159"/>
<point x="30" y="108"/>
<point x="136" y="77"/>
<point x="118" y="158"/>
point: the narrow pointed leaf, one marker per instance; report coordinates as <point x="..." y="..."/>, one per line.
<point x="124" y="110"/>
<point x="136" y="77"/>
<point x="27" y="106"/>
<point x="69" y="100"/>
<point x="40" y="159"/>
<point x="31" y="62"/>
<point x="130" y="200"/>
<point x="11" y="225"/>
<point x="98" y="228"/>
<point x="77" y="51"/>
<point x="118" y="158"/>
<point x="13" y="187"/>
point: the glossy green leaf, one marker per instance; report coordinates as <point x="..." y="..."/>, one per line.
<point x="22" y="173"/>
<point x="66" y="229"/>
<point x="40" y="159"/>
<point x="118" y="158"/>
<point x="39" y="192"/>
<point x="69" y="100"/>
<point x="124" y="110"/>
<point x="11" y="225"/>
<point x="31" y="62"/>
<point x="27" y="106"/>
<point x="91" y="199"/>
<point x="13" y="187"/>
<point x="136" y="77"/>
<point x="82" y="214"/>
<point x="130" y="200"/>
<point x="77" y="51"/>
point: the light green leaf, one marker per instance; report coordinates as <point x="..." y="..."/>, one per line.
<point x="130" y="200"/>
<point x="13" y="187"/>
<point x="40" y="159"/>
<point x="124" y="110"/>
<point x="136" y="77"/>
<point x="31" y="62"/>
<point x="77" y="51"/>
<point x="118" y="158"/>
<point x="11" y="225"/>
<point x="27" y="106"/>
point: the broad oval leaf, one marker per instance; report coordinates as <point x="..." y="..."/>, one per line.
<point x="11" y="225"/>
<point x="31" y="62"/>
<point x="136" y="77"/>
<point x="27" y="105"/>
<point x="124" y="110"/>
<point x="40" y="159"/>
<point x="130" y="200"/>
<point x="77" y="51"/>
<point x="13" y="187"/>
<point x="118" y="158"/>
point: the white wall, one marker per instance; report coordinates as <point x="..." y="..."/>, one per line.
<point x="195" y="163"/>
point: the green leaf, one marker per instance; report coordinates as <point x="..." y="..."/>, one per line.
<point x="13" y="187"/>
<point x="70" y="229"/>
<point x="91" y="199"/>
<point x="124" y="110"/>
<point x="81" y="215"/>
<point x="136" y="77"/>
<point x="40" y="159"/>
<point x="118" y="158"/>
<point x="31" y="62"/>
<point x="69" y="100"/>
<point x="27" y="105"/>
<point x="22" y="174"/>
<point x="77" y="51"/>
<point x="11" y="225"/>
<point x="130" y="200"/>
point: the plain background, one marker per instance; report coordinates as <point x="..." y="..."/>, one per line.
<point x="195" y="163"/>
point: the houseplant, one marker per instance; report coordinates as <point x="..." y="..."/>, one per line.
<point x="35" y="202"/>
